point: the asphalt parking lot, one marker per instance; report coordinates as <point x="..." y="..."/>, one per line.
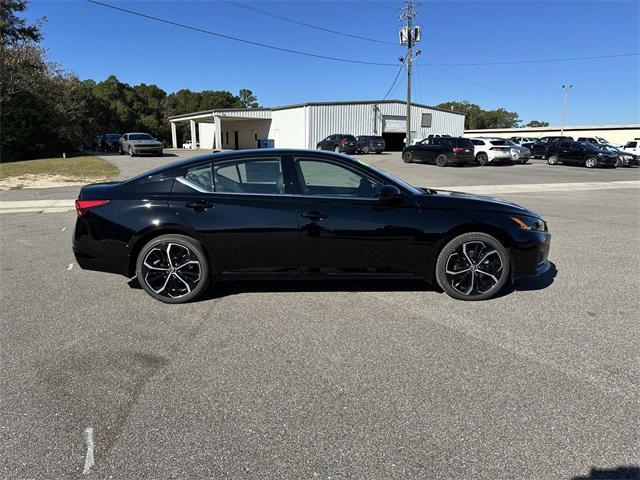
<point x="334" y="380"/>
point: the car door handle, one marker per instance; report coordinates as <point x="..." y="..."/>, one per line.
<point x="200" y="205"/>
<point x="314" y="215"/>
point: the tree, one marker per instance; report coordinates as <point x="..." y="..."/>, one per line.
<point x="13" y="29"/>
<point x="537" y="123"/>
<point x="477" y="118"/>
<point x="247" y="99"/>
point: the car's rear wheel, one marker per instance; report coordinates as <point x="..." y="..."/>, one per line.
<point x="473" y="266"/>
<point x="482" y="159"/>
<point x="337" y="149"/>
<point x="441" y="160"/>
<point x="591" y="162"/>
<point x="552" y="159"/>
<point x="365" y="149"/>
<point x="131" y="154"/>
<point x="407" y="157"/>
<point x="173" y="268"/>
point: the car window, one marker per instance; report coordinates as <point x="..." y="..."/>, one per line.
<point x="324" y="178"/>
<point x="631" y="144"/>
<point x="252" y="175"/>
<point x="576" y="147"/>
<point x="200" y="176"/>
<point x="564" y="145"/>
<point x="498" y="142"/>
<point x="140" y="136"/>
<point x="477" y="142"/>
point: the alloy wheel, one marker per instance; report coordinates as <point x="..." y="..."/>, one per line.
<point x="590" y="162"/>
<point x="474" y="268"/>
<point x="171" y="270"/>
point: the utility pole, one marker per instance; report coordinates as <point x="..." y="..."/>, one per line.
<point x="565" y="98"/>
<point x="409" y="35"/>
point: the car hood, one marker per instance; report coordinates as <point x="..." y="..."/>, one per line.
<point x="145" y="142"/>
<point x="469" y="201"/>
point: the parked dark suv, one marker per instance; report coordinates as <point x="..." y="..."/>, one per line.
<point x="539" y="147"/>
<point x="370" y="143"/>
<point x="441" y="151"/>
<point x="580" y="153"/>
<point x="339" y="142"/>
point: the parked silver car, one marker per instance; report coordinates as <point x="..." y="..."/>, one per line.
<point x="519" y="154"/>
<point x="139" y="143"/>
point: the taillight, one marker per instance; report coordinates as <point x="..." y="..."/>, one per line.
<point x="344" y="142"/>
<point x="458" y="150"/>
<point x="82" y="205"/>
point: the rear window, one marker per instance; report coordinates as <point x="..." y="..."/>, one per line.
<point x="498" y="142"/>
<point x="462" y="142"/>
<point x="631" y="144"/>
<point x="348" y="137"/>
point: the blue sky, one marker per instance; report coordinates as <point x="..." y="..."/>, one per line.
<point x="94" y="42"/>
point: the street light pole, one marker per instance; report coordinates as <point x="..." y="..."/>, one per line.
<point x="565" y="98"/>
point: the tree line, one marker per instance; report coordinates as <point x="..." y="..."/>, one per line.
<point x="45" y="110"/>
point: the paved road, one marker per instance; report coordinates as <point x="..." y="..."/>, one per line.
<point x="328" y="380"/>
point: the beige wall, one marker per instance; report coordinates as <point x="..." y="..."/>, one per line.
<point x="247" y="131"/>
<point x="619" y="134"/>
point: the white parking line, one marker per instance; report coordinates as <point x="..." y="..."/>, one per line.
<point x="70" y="266"/>
<point x="88" y="460"/>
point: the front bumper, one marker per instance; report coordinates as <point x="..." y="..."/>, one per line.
<point x="529" y="254"/>
<point x="150" y="150"/>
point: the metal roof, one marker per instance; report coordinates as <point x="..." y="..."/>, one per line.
<point x="307" y="104"/>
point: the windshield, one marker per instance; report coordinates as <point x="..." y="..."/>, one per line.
<point x="140" y="136"/>
<point x="590" y="146"/>
<point x="112" y="136"/>
<point x="602" y="140"/>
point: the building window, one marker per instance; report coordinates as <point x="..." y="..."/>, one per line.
<point x="255" y="136"/>
<point x="426" y="120"/>
<point x="227" y="135"/>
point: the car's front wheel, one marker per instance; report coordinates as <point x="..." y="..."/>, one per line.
<point x="472" y="266"/>
<point x="365" y="149"/>
<point x="173" y="268"/>
<point x="131" y="153"/>
<point x="591" y="162"/>
<point x="553" y="159"/>
<point x="407" y="157"/>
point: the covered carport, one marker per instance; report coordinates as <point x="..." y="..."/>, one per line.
<point x="224" y="129"/>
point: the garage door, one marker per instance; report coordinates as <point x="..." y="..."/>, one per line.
<point x="394" y="124"/>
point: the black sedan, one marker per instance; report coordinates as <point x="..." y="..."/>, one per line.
<point x="300" y="214"/>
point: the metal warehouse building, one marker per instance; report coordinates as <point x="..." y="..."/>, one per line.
<point x="304" y="125"/>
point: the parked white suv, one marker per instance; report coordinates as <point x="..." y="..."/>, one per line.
<point x="491" y="150"/>
<point x="632" y="147"/>
<point x="190" y="145"/>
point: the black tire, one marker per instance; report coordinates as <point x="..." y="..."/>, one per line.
<point x="131" y="154"/>
<point x="180" y="284"/>
<point x="490" y="272"/>
<point x="552" y="159"/>
<point x="591" y="162"/>
<point x="120" y="151"/>
<point x="482" y="159"/>
<point x="407" y="157"/>
<point x="441" y="160"/>
<point x="378" y="152"/>
<point x="365" y="149"/>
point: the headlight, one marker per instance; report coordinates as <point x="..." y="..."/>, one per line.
<point x="601" y="154"/>
<point x="530" y="223"/>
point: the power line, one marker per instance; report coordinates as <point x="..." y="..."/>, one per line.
<point x="308" y="25"/>
<point x="473" y="82"/>
<point x="395" y="80"/>
<point x="241" y="40"/>
<point x="546" y="60"/>
<point x="379" y="4"/>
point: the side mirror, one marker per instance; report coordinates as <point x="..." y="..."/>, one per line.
<point x="389" y="193"/>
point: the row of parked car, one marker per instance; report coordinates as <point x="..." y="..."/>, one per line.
<point x="134" y="143"/>
<point x="344" y="143"/>
<point x="590" y="152"/>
